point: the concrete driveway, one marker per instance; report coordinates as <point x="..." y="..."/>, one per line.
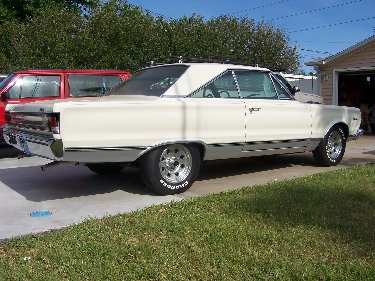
<point x="73" y="193"/>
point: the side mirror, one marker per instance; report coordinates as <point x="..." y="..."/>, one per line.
<point x="295" y="89"/>
<point x="5" y="96"/>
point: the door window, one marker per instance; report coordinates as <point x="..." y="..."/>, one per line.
<point x="32" y="86"/>
<point x="255" y="85"/>
<point x="281" y="91"/>
<point x="223" y="87"/>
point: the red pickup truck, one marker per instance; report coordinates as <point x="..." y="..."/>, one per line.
<point x="47" y="84"/>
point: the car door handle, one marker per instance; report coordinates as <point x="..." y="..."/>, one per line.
<point x="254" y="109"/>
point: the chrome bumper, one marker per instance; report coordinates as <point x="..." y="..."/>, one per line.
<point x="34" y="144"/>
<point x="47" y="146"/>
<point x="356" y="135"/>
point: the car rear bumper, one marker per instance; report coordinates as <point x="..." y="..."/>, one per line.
<point x="47" y="146"/>
<point x="34" y="144"/>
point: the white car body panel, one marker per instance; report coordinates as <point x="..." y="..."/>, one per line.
<point x="172" y="119"/>
<point x="276" y="120"/>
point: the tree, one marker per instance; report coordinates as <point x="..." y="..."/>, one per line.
<point x="227" y="38"/>
<point x="115" y="34"/>
<point x="44" y="41"/>
<point x="20" y="10"/>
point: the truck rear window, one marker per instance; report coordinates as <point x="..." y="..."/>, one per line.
<point x="91" y="85"/>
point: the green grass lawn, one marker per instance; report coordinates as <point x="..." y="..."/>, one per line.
<point x="320" y="227"/>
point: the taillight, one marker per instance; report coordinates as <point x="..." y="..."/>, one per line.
<point x="125" y="76"/>
<point x="7" y="118"/>
<point x="54" y="123"/>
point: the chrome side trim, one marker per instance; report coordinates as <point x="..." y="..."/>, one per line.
<point x="103" y="154"/>
<point x="90" y="149"/>
<point x="258" y="148"/>
<point x="118" y="154"/>
<point x="286" y="150"/>
<point x="212" y="151"/>
<point x="279" y="144"/>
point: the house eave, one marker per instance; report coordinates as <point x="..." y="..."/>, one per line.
<point x="342" y="54"/>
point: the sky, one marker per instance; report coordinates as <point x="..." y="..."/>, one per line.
<point x="319" y="28"/>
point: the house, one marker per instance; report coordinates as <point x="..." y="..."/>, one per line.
<point x="348" y="77"/>
<point x="306" y="83"/>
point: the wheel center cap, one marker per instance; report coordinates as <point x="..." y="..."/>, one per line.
<point x="171" y="163"/>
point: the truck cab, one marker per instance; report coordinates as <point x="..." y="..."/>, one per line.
<point x="47" y="84"/>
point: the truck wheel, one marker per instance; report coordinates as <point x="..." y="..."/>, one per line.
<point x="332" y="148"/>
<point x="105" y="168"/>
<point x="170" y="169"/>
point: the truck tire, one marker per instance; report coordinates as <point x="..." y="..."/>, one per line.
<point x="170" y="169"/>
<point x="105" y="168"/>
<point x="331" y="149"/>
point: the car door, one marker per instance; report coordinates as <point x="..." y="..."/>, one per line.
<point x="275" y="123"/>
<point x="220" y="111"/>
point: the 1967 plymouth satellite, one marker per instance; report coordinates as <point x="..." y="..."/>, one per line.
<point x="168" y="119"/>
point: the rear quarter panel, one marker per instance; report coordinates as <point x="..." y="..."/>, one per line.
<point x="325" y="116"/>
<point x="128" y="124"/>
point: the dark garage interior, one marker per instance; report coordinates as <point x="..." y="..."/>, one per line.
<point x="357" y="89"/>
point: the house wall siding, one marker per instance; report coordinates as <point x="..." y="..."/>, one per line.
<point x="362" y="58"/>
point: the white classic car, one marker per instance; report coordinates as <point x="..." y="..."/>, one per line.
<point x="168" y="119"/>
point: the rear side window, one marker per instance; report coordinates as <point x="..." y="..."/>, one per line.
<point x="91" y="85"/>
<point x="223" y="87"/>
<point x="33" y="86"/>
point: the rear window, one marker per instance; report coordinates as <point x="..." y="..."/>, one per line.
<point x="153" y="81"/>
<point x="91" y="85"/>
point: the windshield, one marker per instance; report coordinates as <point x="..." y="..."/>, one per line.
<point x="6" y="81"/>
<point x="153" y="81"/>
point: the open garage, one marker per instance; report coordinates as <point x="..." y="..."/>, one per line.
<point x="348" y="78"/>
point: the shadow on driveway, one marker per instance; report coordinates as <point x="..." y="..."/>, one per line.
<point x="68" y="181"/>
<point x="234" y="167"/>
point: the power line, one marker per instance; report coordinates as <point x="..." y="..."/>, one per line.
<point x="331" y="25"/>
<point x="260" y="7"/>
<point x="317" y="10"/>
<point x="329" y="42"/>
<point x="314" y="51"/>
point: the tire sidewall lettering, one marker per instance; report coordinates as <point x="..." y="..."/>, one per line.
<point x="171" y="186"/>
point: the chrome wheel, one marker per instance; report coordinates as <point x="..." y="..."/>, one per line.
<point x="175" y="163"/>
<point x="334" y="145"/>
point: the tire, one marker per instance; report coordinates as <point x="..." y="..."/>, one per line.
<point x="105" y="168"/>
<point x="170" y="169"/>
<point x="331" y="149"/>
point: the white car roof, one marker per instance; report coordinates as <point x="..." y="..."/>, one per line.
<point x="199" y="74"/>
